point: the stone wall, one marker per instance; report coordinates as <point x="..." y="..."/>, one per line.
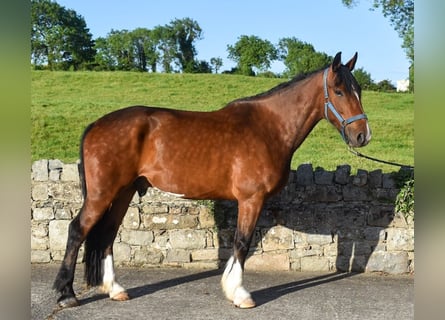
<point x="321" y="221"/>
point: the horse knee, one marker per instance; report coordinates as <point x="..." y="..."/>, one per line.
<point x="241" y="246"/>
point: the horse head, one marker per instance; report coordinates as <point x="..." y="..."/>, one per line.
<point x="343" y="106"/>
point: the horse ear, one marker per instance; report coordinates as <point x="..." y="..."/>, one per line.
<point x="351" y="63"/>
<point x="337" y="62"/>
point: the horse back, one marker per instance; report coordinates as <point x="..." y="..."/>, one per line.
<point x="198" y="155"/>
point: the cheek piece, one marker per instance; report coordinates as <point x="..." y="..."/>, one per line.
<point x="329" y="106"/>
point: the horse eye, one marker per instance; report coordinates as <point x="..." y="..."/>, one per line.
<point x="338" y="92"/>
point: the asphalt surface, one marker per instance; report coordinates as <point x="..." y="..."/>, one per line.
<point x="170" y="293"/>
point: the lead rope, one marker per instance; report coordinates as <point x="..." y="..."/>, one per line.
<point x="352" y="150"/>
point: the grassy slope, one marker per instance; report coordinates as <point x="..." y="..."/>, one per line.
<point x="63" y="103"/>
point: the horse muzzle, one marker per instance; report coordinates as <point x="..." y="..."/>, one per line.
<point x="357" y="137"/>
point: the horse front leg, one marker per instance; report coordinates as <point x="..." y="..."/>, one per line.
<point x="232" y="279"/>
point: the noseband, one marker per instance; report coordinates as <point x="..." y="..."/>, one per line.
<point x="328" y="105"/>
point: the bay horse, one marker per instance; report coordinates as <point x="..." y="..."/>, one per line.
<point x="240" y="152"/>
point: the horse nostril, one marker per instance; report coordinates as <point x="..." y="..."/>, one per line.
<point x="360" y="138"/>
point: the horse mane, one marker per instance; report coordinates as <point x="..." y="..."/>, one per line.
<point x="282" y="86"/>
<point x="343" y="76"/>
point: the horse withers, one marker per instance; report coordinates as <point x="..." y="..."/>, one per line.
<point x="241" y="152"/>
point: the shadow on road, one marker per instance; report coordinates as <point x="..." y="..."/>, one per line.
<point x="262" y="296"/>
<point x="270" y="294"/>
<point x="165" y="284"/>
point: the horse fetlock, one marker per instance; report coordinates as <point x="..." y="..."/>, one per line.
<point x="232" y="285"/>
<point x="232" y="278"/>
<point x="239" y="296"/>
<point x="67" y="302"/>
<point x="106" y="288"/>
<point x="242" y="299"/>
<point x="120" y="296"/>
<point x="115" y="291"/>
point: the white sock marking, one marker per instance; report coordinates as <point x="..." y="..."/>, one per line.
<point x="110" y="286"/>
<point x="232" y="281"/>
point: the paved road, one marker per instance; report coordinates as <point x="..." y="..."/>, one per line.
<point x="196" y="294"/>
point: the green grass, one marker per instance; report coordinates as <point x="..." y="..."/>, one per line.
<point x="63" y="103"/>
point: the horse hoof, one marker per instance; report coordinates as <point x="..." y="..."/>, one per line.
<point x="121" y="296"/>
<point x="246" y="304"/>
<point x="68" y="303"/>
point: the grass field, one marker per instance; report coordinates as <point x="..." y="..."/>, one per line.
<point x="63" y="103"/>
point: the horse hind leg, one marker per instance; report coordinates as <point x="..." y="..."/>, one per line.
<point x="78" y="229"/>
<point x="109" y="285"/>
<point x="65" y="277"/>
<point x="99" y="264"/>
<point x="119" y="208"/>
<point x="232" y="279"/>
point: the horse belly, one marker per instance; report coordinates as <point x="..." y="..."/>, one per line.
<point x="192" y="184"/>
<point x="194" y="171"/>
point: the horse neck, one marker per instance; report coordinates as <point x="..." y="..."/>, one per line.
<point x="298" y="108"/>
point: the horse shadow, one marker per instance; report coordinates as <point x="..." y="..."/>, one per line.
<point x="94" y="295"/>
<point x="269" y="294"/>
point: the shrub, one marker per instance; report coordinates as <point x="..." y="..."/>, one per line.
<point x="405" y="198"/>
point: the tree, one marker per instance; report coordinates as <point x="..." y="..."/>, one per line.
<point x="252" y="52"/>
<point x="411" y="78"/>
<point x="166" y="46"/>
<point x="202" y="66"/>
<point x="385" y="86"/>
<point x="184" y="33"/>
<point x="363" y="78"/>
<point x="104" y="59"/>
<point x="170" y="46"/>
<point x="216" y="63"/>
<point x="300" y="57"/>
<point x="401" y="16"/>
<point x="121" y="48"/>
<point x="125" y="50"/>
<point x="59" y="37"/>
<point x="144" y="46"/>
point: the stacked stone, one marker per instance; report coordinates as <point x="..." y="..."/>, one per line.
<point x="55" y="199"/>
<point x="335" y="221"/>
<point x="321" y="221"/>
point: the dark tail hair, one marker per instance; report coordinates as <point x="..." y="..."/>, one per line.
<point x="94" y="253"/>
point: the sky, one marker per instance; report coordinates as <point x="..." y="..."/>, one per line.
<point x="326" y="24"/>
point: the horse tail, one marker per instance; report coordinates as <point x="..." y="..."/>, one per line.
<point x="80" y="165"/>
<point x="94" y="248"/>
